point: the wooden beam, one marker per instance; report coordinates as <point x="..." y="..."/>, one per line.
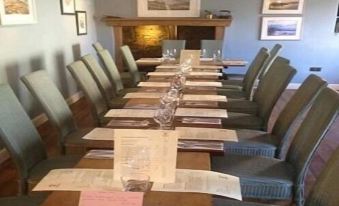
<point x="118" y="37"/>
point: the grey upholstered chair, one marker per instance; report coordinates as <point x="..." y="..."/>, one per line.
<point x="237" y="79"/>
<point x="92" y="93"/>
<point x="276" y="143"/>
<point x="56" y="108"/>
<point x="22" y="201"/>
<point x="269" y="178"/>
<point x="210" y="46"/>
<point x="178" y="45"/>
<point x="119" y="79"/>
<point x="325" y="192"/>
<point x="24" y="144"/>
<point x="245" y="91"/>
<point x="267" y="94"/>
<point x="98" y="47"/>
<point x="113" y="74"/>
<point x="131" y="65"/>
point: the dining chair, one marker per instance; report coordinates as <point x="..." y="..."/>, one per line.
<point x="325" y="192"/>
<point x="209" y="47"/>
<point x="170" y="45"/>
<point x="246" y="89"/>
<point x="97" y="46"/>
<point x="22" y="201"/>
<point x="237" y="79"/>
<point x="270" y="178"/>
<point x="276" y="143"/>
<point x="57" y="110"/>
<point x="23" y="142"/>
<point x="131" y="65"/>
<point x="113" y="74"/>
<point x="92" y="93"/>
<point x="245" y="114"/>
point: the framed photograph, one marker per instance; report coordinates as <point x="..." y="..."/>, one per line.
<point x="283" y="6"/>
<point x="281" y="28"/>
<point x="168" y="8"/>
<point x="81" y="19"/>
<point x="13" y="12"/>
<point x="67" y="7"/>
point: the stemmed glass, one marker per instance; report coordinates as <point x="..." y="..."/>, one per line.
<point x="203" y="53"/>
<point x="217" y="56"/>
<point x="164" y="117"/>
<point x="166" y="56"/>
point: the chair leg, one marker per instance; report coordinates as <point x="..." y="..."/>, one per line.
<point x="22" y="187"/>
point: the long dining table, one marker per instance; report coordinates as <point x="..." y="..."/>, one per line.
<point x="185" y="160"/>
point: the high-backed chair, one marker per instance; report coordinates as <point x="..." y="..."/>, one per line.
<point x="245" y="91"/>
<point x="97" y="46"/>
<point x="325" y="192"/>
<point x="113" y="74"/>
<point x="56" y="109"/>
<point x="275" y="144"/>
<point x="131" y="65"/>
<point x="23" y="142"/>
<point x="270" y="178"/>
<point x="237" y="79"/>
<point x="209" y="47"/>
<point x="92" y="93"/>
<point x="22" y="201"/>
<point x="267" y="94"/>
<point x="106" y="88"/>
<point x="170" y="45"/>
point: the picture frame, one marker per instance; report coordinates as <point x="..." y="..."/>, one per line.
<point x="81" y="21"/>
<point x="281" y="28"/>
<point x="168" y="8"/>
<point x="283" y="6"/>
<point x="67" y="7"/>
<point x="17" y="12"/>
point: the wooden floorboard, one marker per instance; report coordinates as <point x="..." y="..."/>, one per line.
<point x="83" y="118"/>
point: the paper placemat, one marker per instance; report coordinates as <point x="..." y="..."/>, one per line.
<point x="154" y="84"/>
<point x="100" y="154"/>
<point x="100" y="134"/>
<point x="166" y="74"/>
<point x="208" y="98"/>
<point x="207" y="134"/>
<point x="192" y="112"/>
<point x="136" y="113"/>
<point x="140" y="95"/>
<point x="203" y="84"/>
<point x="207" y="67"/>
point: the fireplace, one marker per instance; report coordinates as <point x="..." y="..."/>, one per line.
<point x="145" y="35"/>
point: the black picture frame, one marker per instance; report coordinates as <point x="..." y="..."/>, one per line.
<point x="78" y="18"/>
<point x="62" y="7"/>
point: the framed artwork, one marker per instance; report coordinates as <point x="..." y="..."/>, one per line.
<point x="168" y="8"/>
<point x="13" y="12"/>
<point x="67" y="7"/>
<point x="281" y="28"/>
<point x="81" y="19"/>
<point x="283" y="6"/>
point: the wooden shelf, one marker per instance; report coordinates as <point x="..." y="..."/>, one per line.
<point x="176" y="21"/>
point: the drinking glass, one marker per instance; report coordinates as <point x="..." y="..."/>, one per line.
<point x="164" y="116"/>
<point x="178" y="81"/>
<point x="203" y="53"/>
<point x="135" y="182"/>
<point x="166" y="56"/>
<point x="217" y="56"/>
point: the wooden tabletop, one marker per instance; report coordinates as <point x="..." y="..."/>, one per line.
<point x="198" y="161"/>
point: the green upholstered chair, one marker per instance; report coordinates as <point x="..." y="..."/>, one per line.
<point x="98" y="47"/>
<point x="210" y="46"/>
<point x="56" y="108"/>
<point x="23" y="142"/>
<point x="113" y="74"/>
<point x="244" y="114"/>
<point x="237" y="79"/>
<point x="325" y="192"/>
<point x="131" y="65"/>
<point x="276" y="143"/>
<point x="92" y="93"/>
<point x="245" y="91"/>
<point x="270" y="178"/>
<point x="178" y="45"/>
<point x="22" y="201"/>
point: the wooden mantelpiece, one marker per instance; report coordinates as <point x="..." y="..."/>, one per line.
<point x="111" y="21"/>
<point x="118" y="23"/>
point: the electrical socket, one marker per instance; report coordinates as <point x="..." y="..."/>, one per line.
<point x="315" y="69"/>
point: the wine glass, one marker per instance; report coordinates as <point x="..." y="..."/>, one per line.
<point x="217" y="56"/>
<point x="203" y="53"/>
<point x="164" y="116"/>
<point x="166" y="55"/>
<point x="178" y="81"/>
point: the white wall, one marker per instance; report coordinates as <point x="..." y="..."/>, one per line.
<point x="50" y="44"/>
